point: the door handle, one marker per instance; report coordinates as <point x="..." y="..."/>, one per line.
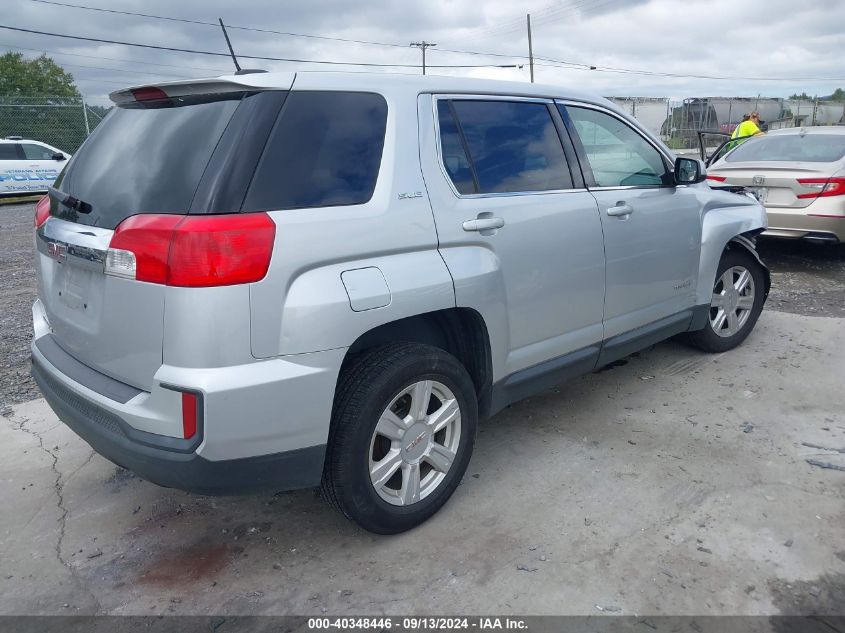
<point x="483" y="224"/>
<point x="621" y="210"/>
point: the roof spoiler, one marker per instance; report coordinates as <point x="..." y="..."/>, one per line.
<point x="246" y="79"/>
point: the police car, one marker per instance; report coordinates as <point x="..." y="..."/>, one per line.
<point x="28" y="167"/>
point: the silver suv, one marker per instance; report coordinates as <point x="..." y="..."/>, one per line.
<point x="277" y="281"/>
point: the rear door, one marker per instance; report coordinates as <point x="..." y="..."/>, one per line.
<point x="145" y="157"/>
<point x="517" y="228"/>
<point x="652" y="228"/>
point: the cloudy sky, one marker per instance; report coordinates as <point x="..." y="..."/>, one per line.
<point x="678" y="48"/>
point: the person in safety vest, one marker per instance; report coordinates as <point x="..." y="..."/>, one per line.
<point x="749" y="127"/>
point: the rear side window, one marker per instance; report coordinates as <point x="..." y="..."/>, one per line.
<point x="325" y="150"/>
<point x="453" y="152"/>
<point x="513" y="146"/>
<point x="146" y="157"/>
<point x="36" y="152"/>
<point x="8" y="151"/>
<point x="810" y="148"/>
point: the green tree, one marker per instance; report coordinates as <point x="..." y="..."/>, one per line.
<point x="39" y="77"/>
<point x="41" y="101"/>
<point x="838" y="95"/>
<point x="803" y="96"/>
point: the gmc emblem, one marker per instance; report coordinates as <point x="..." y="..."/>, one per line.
<point x="57" y="251"/>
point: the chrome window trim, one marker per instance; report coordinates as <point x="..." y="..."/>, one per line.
<point x="473" y="97"/>
<point x="615" y="115"/>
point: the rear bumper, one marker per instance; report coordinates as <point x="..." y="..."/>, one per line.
<point x="107" y="434"/>
<point x="262" y="426"/>
<point x="794" y="224"/>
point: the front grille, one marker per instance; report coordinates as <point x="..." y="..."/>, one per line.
<point x="82" y="407"/>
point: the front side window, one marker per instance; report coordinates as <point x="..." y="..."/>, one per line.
<point x="37" y="152"/>
<point x="513" y="147"/>
<point x="325" y="150"/>
<point x="618" y="156"/>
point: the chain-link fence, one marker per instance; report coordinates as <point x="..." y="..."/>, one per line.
<point x="58" y="121"/>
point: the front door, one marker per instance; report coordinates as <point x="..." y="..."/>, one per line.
<point x="519" y="232"/>
<point x="652" y="228"/>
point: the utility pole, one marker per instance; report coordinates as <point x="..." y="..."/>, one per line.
<point x="422" y="46"/>
<point x="530" y="48"/>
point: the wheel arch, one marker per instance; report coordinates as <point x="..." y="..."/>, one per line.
<point x="461" y="332"/>
<point x="746" y="242"/>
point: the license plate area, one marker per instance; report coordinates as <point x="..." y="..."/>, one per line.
<point x="74" y="286"/>
<point x="761" y="193"/>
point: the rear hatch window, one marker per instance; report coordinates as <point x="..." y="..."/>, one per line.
<point x="146" y="157"/>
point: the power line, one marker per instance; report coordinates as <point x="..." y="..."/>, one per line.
<point x="214" y="24"/>
<point x="557" y="63"/>
<point x="551" y="13"/>
<point x="119" y="70"/>
<point x="256" y="57"/>
<point x="112" y="59"/>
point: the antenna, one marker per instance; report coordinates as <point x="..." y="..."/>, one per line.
<point x="229" y="44"/>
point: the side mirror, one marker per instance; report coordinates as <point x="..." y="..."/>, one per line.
<point x="689" y="171"/>
<point x="59" y="156"/>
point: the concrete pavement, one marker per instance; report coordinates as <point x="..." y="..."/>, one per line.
<point x="676" y="483"/>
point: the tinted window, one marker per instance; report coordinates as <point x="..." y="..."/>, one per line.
<point x="618" y="155"/>
<point x="8" y="151"/>
<point x="452" y="148"/>
<point x="514" y="146"/>
<point x="325" y="150"/>
<point x="146" y="158"/>
<point x="36" y="152"/>
<point x="811" y="148"/>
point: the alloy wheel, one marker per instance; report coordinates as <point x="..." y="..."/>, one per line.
<point x="415" y="443"/>
<point x="732" y="302"/>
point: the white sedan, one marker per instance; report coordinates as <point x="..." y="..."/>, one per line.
<point x="28" y="167"/>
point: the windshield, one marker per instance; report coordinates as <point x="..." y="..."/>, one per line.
<point x="810" y="148"/>
<point x="146" y="157"/>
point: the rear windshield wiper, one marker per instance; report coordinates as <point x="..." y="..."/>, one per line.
<point x="69" y="201"/>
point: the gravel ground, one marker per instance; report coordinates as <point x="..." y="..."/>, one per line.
<point x="807" y="279"/>
<point x="17" y="291"/>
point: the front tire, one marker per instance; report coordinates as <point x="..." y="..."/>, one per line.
<point x="737" y="301"/>
<point x="403" y="429"/>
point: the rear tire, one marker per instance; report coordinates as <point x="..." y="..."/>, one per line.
<point x="402" y="433"/>
<point x="737" y="301"/>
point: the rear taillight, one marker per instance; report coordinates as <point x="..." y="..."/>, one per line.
<point x="42" y="211"/>
<point x="192" y="251"/>
<point x="717" y="178"/>
<point x="822" y="187"/>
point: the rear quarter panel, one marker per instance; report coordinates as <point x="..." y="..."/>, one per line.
<point x="302" y="304"/>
